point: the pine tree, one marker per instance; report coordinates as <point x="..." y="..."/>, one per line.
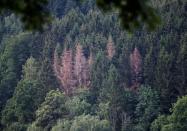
<point x="57" y="67"/>
<point x="64" y="70"/>
<point x="72" y="74"/>
<point x="110" y="48"/>
<point x="90" y="60"/>
<point x="98" y="74"/>
<point x="164" y="77"/>
<point x="52" y="109"/>
<point x="148" y="107"/>
<point x="124" y="68"/>
<point x="26" y="99"/>
<point x="80" y="61"/>
<point x="81" y="67"/>
<point x="14" y="52"/>
<point x="136" y="67"/>
<point x="68" y="78"/>
<point x="113" y="93"/>
<point x="181" y="71"/>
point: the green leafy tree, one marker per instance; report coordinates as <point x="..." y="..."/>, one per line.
<point x="78" y="104"/>
<point x="13" y="54"/>
<point x="158" y="123"/>
<point x="33" y="127"/>
<point x="84" y="123"/>
<point x="52" y="109"/>
<point x="64" y="125"/>
<point x="26" y="99"/>
<point x="46" y="73"/>
<point x="176" y="121"/>
<point x="178" y="118"/>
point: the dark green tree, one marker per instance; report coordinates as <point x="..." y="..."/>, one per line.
<point x="147" y="109"/>
<point x="52" y="109"/>
<point x="83" y="123"/>
<point x="98" y="74"/>
<point x="26" y="99"/>
<point x="121" y="102"/>
<point x="158" y="123"/>
<point x="164" y="77"/>
<point x="78" y="104"/>
<point x="13" y="54"/>
<point x="181" y="71"/>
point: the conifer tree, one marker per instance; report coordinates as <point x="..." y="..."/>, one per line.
<point x="64" y="70"/>
<point x="181" y="71"/>
<point x="26" y="99"/>
<point x="52" y="109"/>
<point x="68" y="78"/>
<point x="81" y="67"/>
<point x="98" y="74"/>
<point x="136" y="67"/>
<point x="113" y="93"/>
<point x="110" y="48"/>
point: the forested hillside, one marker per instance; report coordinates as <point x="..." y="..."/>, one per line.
<point x="85" y="73"/>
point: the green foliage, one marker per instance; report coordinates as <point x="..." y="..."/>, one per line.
<point x="77" y="106"/>
<point x="100" y="65"/>
<point x="89" y="123"/>
<point x="112" y="89"/>
<point x="84" y="123"/>
<point x="33" y="127"/>
<point x="58" y="106"/>
<point x="147" y="108"/>
<point x="158" y="123"/>
<point x="178" y="118"/>
<point x="30" y="69"/>
<point x="64" y="125"/>
<point x="103" y="110"/>
<point x="27" y="97"/>
<point x="181" y="71"/>
<point x="109" y="98"/>
<point x="121" y="102"/>
<point x="51" y="110"/>
<point x="174" y="122"/>
<point x="16" y="127"/>
<point x="13" y="53"/>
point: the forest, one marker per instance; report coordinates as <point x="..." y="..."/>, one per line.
<point x="84" y="72"/>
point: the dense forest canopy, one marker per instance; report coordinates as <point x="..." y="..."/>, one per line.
<point x="85" y="73"/>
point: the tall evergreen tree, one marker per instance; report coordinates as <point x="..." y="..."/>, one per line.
<point x="26" y="99"/>
<point x="52" y="109"/>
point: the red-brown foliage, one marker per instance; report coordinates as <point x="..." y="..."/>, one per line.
<point x="64" y="71"/>
<point x="90" y="60"/>
<point x="72" y="74"/>
<point x="136" y="67"/>
<point x="110" y="48"/>
<point x="81" y="67"/>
